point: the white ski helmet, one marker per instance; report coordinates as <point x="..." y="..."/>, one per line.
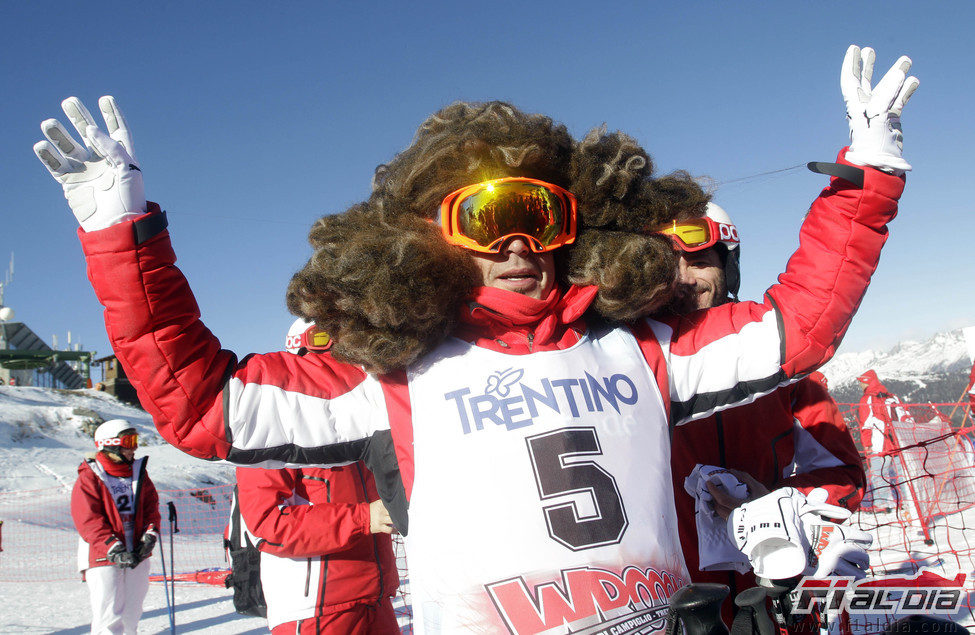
<point x="304" y="336"/>
<point x="108" y="432"/>
<point x="731" y="251"/>
<point x="293" y="343"/>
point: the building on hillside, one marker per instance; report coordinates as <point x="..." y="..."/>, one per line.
<point x="114" y="381"/>
<point x="28" y="361"/>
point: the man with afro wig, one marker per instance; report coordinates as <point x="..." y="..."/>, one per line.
<point x="518" y="432"/>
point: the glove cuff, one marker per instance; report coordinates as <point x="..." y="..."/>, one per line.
<point x="888" y="163"/>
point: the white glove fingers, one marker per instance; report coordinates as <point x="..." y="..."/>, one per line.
<point x="115" y="124"/>
<point x="108" y="147"/>
<point x="890" y="86"/>
<point x="827" y="511"/>
<point x="867" y="58"/>
<point x="850" y="75"/>
<point x="79" y="116"/>
<point x="63" y="141"/>
<point x="53" y="160"/>
<point x="910" y="85"/>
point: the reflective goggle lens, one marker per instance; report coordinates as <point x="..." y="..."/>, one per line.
<point x="699" y="233"/>
<point x="482" y="216"/>
<point x="692" y="234"/>
<point x="129" y="441"/>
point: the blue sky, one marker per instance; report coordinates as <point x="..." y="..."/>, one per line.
<point x="252" y="119"/>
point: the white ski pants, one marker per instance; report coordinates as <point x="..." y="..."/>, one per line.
<point x="116" y="598"/>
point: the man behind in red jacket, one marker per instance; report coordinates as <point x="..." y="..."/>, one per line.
<point x="878" y="439"/>
<point x="327" y="563"/>
<point x="971" y="395"/>
<point x="115" y="508"/>
<point x="794" y="437"/>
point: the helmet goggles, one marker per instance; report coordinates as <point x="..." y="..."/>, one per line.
<point x="481" y="217"/>
<point x="697" y="234"/>
<point x="126" y="441"/>
<point x="312" y="338"/>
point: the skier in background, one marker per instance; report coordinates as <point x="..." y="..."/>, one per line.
<point x="115" y="508"/>
<point x="878" y="439"/>
<point x="327" y="563"/>
<point x="971" y="396"/>
<point x="794" y="437"/>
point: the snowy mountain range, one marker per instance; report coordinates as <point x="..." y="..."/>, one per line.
<point x="936" y="369"/>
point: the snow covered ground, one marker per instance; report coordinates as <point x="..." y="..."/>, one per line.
<point x="62" y="607"/>
<point x="41" y="445"/>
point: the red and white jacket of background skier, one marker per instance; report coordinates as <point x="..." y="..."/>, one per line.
<point x="795" y="437"/>
<point x="873" y="413"/>
<point x="527" y="457"/>
<point x="321" y="569"/>
<point x="971" y="394"/>
<point x="97" y="512"/>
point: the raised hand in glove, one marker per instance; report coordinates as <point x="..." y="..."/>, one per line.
<point x="874" y="112"/>
<point x="148" y="543"/>
<point x="118" y="555"/>
<point x="786" y="533"/>
<point x="101" y="179"/>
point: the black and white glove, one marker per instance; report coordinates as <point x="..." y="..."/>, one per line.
<point x="786" y="533"/>
<point x="119" y="556"/>
<point x="874" y="113"/>
<point x="148" y="543"/>
<point x="101" y="179"/>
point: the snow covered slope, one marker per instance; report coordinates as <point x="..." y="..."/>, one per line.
<point x="42" y="440"/>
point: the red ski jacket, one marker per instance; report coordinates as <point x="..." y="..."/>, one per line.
<point x="971" y="394"/>
<point x="312" y="525"/>
<point x="873" y="412"/>
<point x="97" y="514"/>
<point x="794" y="437"/>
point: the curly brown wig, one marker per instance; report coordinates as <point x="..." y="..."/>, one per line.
<point x="381" y="286"/>
<point x="386" y="286"/>
<point x="620" y="201"/>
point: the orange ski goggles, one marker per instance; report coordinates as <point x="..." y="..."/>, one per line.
<point x="312" y="338"/>
<point x="481" y="217"/>
<point x="699" y="233"/>
<point x="127" y="441"/>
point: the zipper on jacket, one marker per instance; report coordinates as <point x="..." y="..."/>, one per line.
<point x="531" y="340"/>
<point x="375" y="543"/>
<point x="719" y="429"/>
<point x="308" y="578"/>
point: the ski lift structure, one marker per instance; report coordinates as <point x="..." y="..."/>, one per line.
<point x="22" y="350"/>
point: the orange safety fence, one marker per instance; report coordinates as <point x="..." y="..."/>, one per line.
<point x="920" y="501"/>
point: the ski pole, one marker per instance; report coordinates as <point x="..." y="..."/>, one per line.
<point x="697" y="608"/>
<point x="169" y="608"/>
<point x="173" y="529"/>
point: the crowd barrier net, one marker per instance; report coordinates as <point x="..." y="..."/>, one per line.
<point x="920" y="499"/>
<point x="920" y="508"/>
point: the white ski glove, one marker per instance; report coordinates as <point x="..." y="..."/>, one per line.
<point x="785" y="534"/>
<point x="101" y="180"/>
<point x="875" y="113"/>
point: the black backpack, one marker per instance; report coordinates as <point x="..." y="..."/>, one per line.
<point x="245" y="565"/>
